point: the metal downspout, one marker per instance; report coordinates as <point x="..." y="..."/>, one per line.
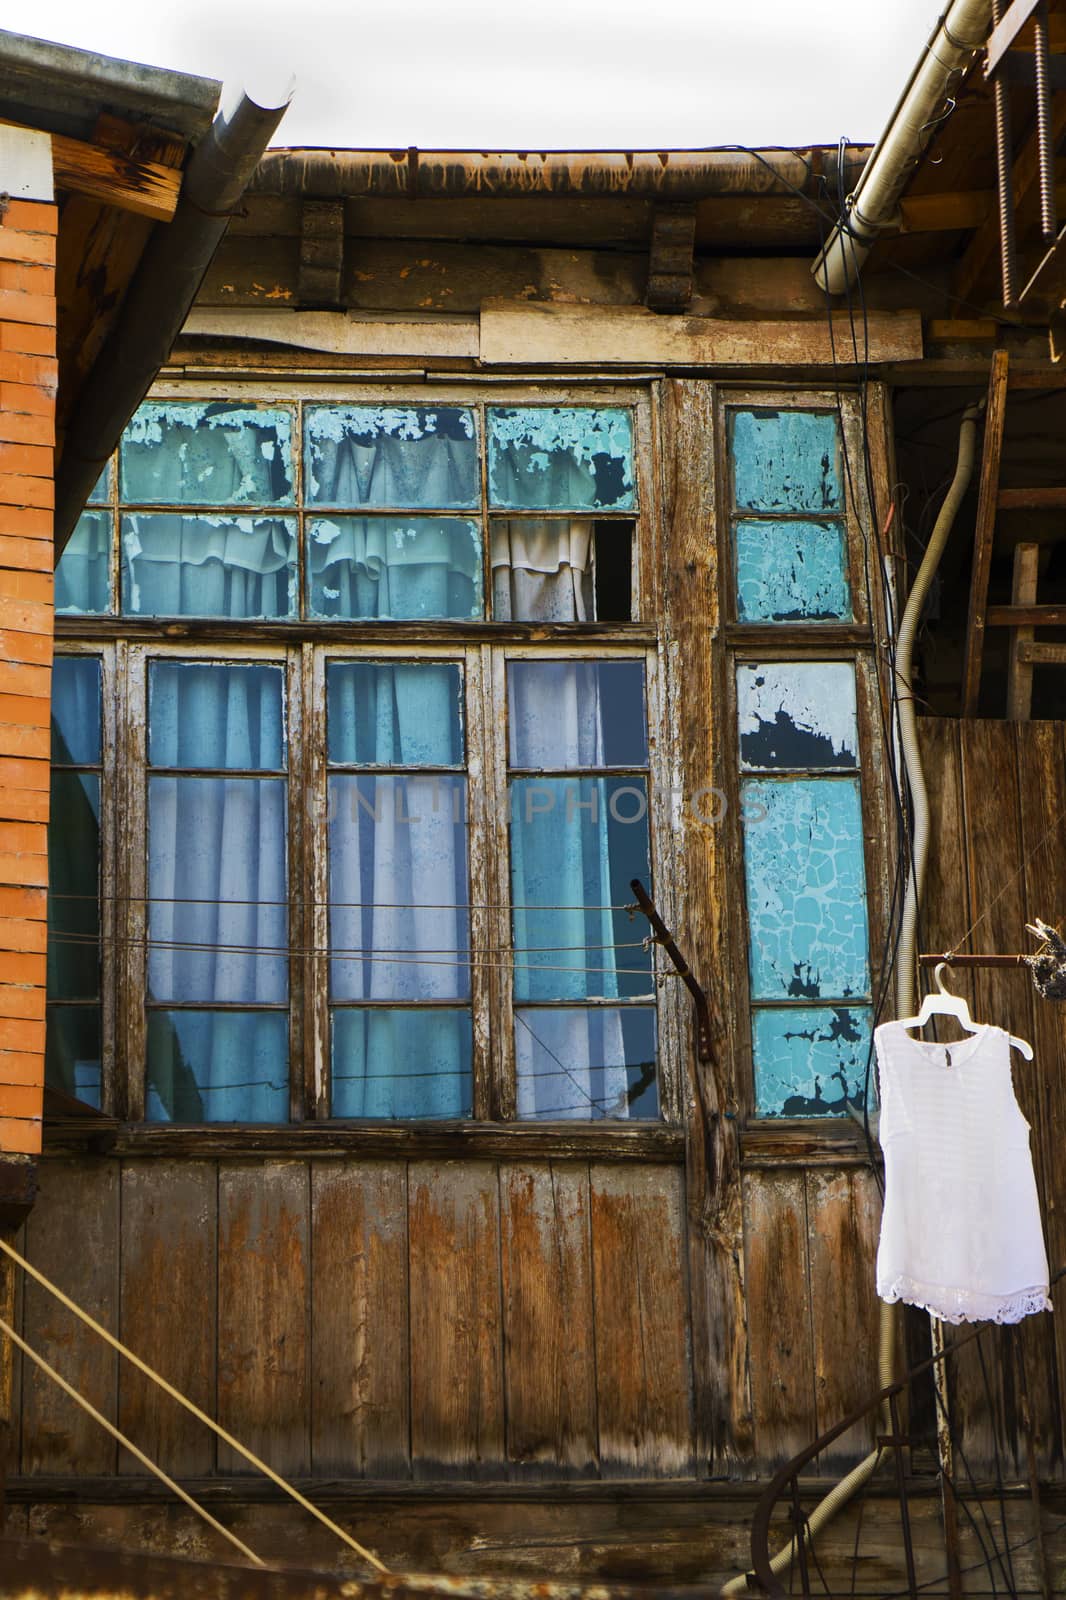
<point x="873" y="207"/>
<point x="163" y="289"/>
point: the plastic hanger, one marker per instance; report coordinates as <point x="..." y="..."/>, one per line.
<point x="941" y="1002"/>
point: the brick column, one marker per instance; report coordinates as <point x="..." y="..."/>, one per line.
<point x="27" y="435"/>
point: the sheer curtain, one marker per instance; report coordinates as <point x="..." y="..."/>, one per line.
<point x="399" y="924"/>
<point x="217" y="891"/>
<point x="542" y="569"/>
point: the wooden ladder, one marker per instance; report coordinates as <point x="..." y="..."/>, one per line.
<point x="1023" y="615"/>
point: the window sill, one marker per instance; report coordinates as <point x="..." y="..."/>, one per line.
<point x="652" y="1141"/>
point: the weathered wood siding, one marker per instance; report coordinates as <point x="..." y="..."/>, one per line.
<point x="367" y="1319"/>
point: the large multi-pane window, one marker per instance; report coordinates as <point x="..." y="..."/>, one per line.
<point x="370" y="853"/>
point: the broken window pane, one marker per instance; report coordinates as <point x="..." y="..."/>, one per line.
<point x="391" y="455"/>
<point x="207" y="454"/>
<point x="786" y="460"/>
<point x="392" y="1061"/>
<point x="575" y="458"/>
<point x="394" y="713"/>
<point x="83" y="575"/>
<point x="803" y="854"/>
<point x="791" y="571"/>
<point x="386" y="567"/>
<point x="810" y="1061"/>
<point x="797" y="714"/>
<point x="585" y="1064"/>
<point x="208" y="566"/>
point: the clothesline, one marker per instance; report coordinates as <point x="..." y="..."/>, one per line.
<point x="337" y="905"/>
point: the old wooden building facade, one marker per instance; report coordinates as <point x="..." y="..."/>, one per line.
<point x="504" y="529"/>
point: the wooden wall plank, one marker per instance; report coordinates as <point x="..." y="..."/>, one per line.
<point x="843" y="1221"/>
<point x="548" y="1320"/>
<point x="360" y="1423"/>
<point x="168" y="1306"/>
<point x="779" y="1315"/>
<point x="263" y="1335"/>
<point x="72" y="1235"/>
<point x="643" y="1367"/>
<point x="457" y="1415"/>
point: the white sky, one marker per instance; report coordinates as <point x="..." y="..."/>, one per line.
<point x="514" y="74"/>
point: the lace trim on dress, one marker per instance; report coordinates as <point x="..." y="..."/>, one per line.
<point x="966" y="1305"/>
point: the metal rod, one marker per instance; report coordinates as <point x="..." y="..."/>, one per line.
<point x="904" y="1509"/>
<point x="1004" y="184"/>
<point x="664" y="937"/>
<point x="1044" y="151"/>
<point x="972" y="961"/>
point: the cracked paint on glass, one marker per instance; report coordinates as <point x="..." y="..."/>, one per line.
<point x="803" y="857"/>
<point x="786" y="461"/>
<point x="797" y="715"/>
<point x="211" y="453"/>
<point x="810" y="1061"/>
<point x="562" y="458"/>
<point x="791" y="571"/>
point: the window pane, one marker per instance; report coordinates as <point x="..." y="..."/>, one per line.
<point x="74" y="887"/>
<point x="399" y="888"/>
<point x="803" y="852"/>
<point x="102" y="488"/>
<point x="798" y="714"/>
<point x="586" y="1064"/>
<point x="83" y="576"/>
<point x="786" y="460"/>
<point x="72" y="1052"/>
<point x="575" y="845"/>
<point x="208" y="566"/>
<point x="573" y="458"/>
<point x="217" y="886"/>
<point x="402" y="714"/>
<point x="402" y="1063"/>
<point x="566" y="714"/>
<point x="370" y="567"/>
<point x="213" y="715"/>
<point x="543" y="569"/>
<point x="791" y="571"/>
<point x="810" y="1060"/>
<point x="76" y="711"/>
<point x="216" y="454"/>
<point x="218" y="1066"/>
<point x="403" y="456"/>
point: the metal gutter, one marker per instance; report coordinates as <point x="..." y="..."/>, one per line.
<point x="873" y="207"/>
<point x="669" y="175"/>
<point x="74" y="85"/>
<point x="163" y="288"/>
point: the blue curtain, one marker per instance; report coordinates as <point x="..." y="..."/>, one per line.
<point x="399" y="924"/>
<point x="217" y="896"/>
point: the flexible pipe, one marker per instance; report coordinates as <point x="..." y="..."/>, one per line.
<point x="910" y="753"/>
<point x="961" y="31"/>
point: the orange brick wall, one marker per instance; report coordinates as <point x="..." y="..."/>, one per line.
<point x="27" y="436"/>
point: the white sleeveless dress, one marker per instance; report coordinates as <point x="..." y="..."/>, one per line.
<point x="960" y="1232"/>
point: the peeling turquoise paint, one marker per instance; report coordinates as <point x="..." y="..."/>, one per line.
<point x="810" y="1061"/>
<point x="206" y="453"/>
<point x="791" y="571"/>
<point x="786" y="461"/>
<point x="391" y="456"/>
<point x="803" y="853"/>
<point x="797" y="715"/>
<point x="574" y="458"/>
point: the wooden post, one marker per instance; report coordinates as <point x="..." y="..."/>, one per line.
<point x="1020" y="673"/>
<point x="982" y="542"/>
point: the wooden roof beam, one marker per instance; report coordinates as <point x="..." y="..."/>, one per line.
<point x="114" y="177"/>
<point x="985" y="242"/>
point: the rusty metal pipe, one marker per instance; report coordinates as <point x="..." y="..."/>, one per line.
<point x="415" y="174"/>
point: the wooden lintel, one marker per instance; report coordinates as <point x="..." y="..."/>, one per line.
<point x="529" y="333"/>
<point x="941" y="213"/>
<point x="114" y="177"/>
<point x="995" y="417"/>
